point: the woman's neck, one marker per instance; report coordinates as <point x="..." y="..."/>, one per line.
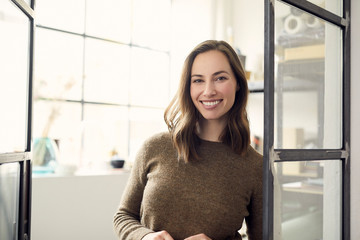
<point x="210" y="130"/>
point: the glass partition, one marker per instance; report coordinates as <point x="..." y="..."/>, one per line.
<point x="308" y="199"/>
<point x="334" y="6"/>
<point x="14" y="74"/>
<point x="308" y="81"/>
<point x="9" y="200"/>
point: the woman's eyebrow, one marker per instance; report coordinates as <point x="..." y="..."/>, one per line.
<point x="214" y="74"/>
<point x="196" y="75"/>
<point x="220" y="72"/>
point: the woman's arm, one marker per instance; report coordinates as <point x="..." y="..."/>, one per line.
<point x="126" y="222"/>
<point x="254" y="220"/>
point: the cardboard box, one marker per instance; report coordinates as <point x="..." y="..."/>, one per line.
<point x="305" y="52"/>
<point x="293" y="138"/>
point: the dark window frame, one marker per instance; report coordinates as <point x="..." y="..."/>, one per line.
<point x="24" y="158"/>
<point x="279" y="155"/>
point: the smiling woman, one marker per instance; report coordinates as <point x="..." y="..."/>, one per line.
<point x="213" y="87"/>
<point x="205" y="62"/>
<point x="201" y="179"/>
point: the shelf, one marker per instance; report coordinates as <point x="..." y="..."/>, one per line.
<point x="301" y="187"/>
<point x="256" y="86"/>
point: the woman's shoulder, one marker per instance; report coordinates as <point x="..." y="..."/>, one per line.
<point x="254" y="156"/>
<point x="157" y="142"/>
<point x="253" y="153"/>
<point x="158" y="138"/>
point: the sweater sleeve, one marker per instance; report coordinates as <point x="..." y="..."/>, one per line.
<point x="254" y="220"/>
<point x="126" y="221"/>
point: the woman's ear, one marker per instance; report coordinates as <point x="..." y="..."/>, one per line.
<point x="237" y="87"/>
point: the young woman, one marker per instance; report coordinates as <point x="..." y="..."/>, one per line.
<point x="201" y="179"/>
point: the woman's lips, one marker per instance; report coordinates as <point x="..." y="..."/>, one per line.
<point x="208" y="104"/>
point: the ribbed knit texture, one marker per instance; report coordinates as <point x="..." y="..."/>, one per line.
<point x="210" y="196"/>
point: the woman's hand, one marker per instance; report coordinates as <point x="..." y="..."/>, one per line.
<point x="200" y="236"/>
<point x="162" y="235"/>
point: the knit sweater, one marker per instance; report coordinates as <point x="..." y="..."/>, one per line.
<point x="211" y="196"/>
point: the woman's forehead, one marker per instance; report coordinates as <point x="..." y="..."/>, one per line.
<point x="210" y="62"/>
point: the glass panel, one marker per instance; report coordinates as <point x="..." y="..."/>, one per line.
<point x="66" y="15"/>
<point x="107" y="72"/>
<point x="151" y="28"/>
<point x="105" y="131"/>
<point x="334" y="6"/>
<point x="58" y="65"/>
<point x="307" y="202"/>
<point x="9" y="200"/>
<point x="28" y="2"/>
<point x="114" y="22"/>
<point x="308" y="81"/>
<point x="150" y="78"/>
<point x="144" y="122"/>
<point x="14" y="59"/>
<point x="255" y="111"/>
<point x="60" y="121"/>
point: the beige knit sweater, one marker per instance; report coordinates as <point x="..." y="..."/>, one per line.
<point x="210" y="196"/>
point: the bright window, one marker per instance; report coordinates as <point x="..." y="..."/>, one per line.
<point x="105" y="71"/>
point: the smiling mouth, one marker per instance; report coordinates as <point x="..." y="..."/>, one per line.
<point x="210" y="103"/>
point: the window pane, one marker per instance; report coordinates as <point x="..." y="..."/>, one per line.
<point x="58" y="65"/>
<point x="60" y="121"/>
<point x="65" y="15"/>
<point x="144" y="122"/>
<point x="105" y="130"/>
<point x="334" y="6"/>
<point x="149" y="78"/>
<point x="28" y="2"/>
<point x="14" y="59"/>
<point x="107" y="67"/>
<point x="114" y="21"/>
<point x="151" y="28"/>
<point x="308" y="82"/>
<point x="255" y="112"/>
<point x="9" y="204"/>
<point x="307" y="202"/>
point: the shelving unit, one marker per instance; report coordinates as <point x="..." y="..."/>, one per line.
<point x="303" y="76"/>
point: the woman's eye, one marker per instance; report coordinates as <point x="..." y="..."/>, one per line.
<point x="197" y="81"/>
<point x="221" y="78"/>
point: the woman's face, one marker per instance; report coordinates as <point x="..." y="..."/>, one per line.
<point x="213" y="85"/>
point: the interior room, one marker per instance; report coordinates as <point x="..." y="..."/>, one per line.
<point x="103" y="73"/>
<point x="95" y="115"/>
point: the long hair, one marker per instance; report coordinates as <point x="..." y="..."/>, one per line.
<point x="181" y="116"/>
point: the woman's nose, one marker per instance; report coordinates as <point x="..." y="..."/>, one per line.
<point x="209" y="89"/>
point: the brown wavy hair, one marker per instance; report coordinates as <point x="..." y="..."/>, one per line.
<point x="181" y="116"/>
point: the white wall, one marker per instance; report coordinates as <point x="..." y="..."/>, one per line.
<point x="355" y="119"/>
<point x="248" y="30"/>
<point x="75" y="207"/>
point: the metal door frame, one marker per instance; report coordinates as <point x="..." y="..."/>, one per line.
<point x="279" y="155"/>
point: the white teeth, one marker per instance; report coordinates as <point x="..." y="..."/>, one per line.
<point x="211" y="103"/>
